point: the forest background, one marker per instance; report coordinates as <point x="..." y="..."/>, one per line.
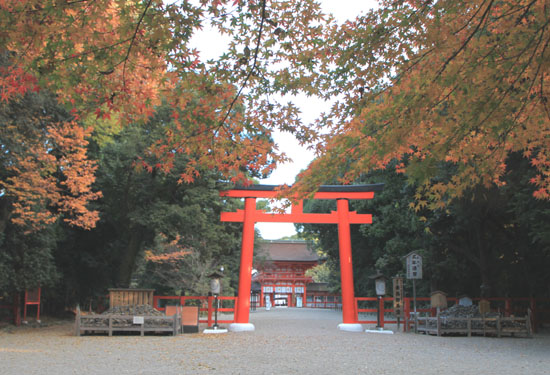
<point x="116" y="139"/>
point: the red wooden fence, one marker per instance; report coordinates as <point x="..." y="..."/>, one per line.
<point x="206" y="305"/>
<point x="540" y="307"/>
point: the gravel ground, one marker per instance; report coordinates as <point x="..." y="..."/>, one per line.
<point x="286" y="341"/>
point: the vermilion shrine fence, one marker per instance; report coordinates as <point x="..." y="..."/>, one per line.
<point x="540" y="308"/>
<point x="206" y="305"/>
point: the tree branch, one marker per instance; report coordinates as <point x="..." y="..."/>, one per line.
<point x="133" y="39"/>
<point x="463" y="46"/>
<point x="254" y="64"/>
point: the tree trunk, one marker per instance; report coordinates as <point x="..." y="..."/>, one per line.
<point x="128" y="258"/>
<point x="484" y="264"/>
<point x="5" y="213"/>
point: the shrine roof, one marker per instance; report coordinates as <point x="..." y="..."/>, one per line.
<point x="281" y="250"/>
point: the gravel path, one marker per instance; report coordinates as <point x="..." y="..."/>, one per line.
<point x="286" y="341"/>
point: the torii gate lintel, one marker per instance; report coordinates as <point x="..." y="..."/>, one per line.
<point x="342" y="216"/>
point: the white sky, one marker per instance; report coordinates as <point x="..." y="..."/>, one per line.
<point x="211" y="46"/>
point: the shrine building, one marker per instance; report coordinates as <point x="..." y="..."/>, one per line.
<point x="281" y="278"/>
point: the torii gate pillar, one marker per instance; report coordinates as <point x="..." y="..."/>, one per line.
<point x="245" y="270"/>
<point x="349" y="312"/>
<point x="343" y="217"/>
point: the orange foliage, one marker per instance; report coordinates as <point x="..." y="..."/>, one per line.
<point x="165" y="258"/>
<point x="466" y="82"/>
<point x="170" y="252"/>
<point x="53" y="178"/>
<point x="106" y="56"/>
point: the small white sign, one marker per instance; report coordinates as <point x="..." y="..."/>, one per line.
<point x="298" y="289"/>
<point x="380" y="287"/>
<point x="268" y="289"/>
<point x="138" y="320"/>
<point x="414" y="266"/>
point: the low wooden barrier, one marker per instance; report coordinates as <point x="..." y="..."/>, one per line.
<point x="497" y="326"/>
<point x="110" y="323"/>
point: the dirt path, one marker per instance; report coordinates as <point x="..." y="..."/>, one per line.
<point x="286" y="341"/>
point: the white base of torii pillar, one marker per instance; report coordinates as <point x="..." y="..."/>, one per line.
<point x="241" y="327"/>
<point x="350" y="327"/>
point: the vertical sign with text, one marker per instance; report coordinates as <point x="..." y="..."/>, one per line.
<point x="414" y="266"/>
<point x="398" y="296"/>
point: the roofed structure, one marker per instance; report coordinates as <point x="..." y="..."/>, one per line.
<point x="281" y="250"/>
<point x="282" y="272"/>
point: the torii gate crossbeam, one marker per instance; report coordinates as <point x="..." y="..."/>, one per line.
<point x="342" y="216"/>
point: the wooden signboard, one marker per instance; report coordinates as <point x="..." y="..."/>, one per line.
<point x="398" y="297"/>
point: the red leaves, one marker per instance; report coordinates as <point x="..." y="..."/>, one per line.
<point x="14" y="81"/>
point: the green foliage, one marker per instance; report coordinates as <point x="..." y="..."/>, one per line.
<point x="26" y="260"/>
<point x="145" y="209"/>
<point x="321" y="273"/>
<point x="141" y="201"/>
<point x="291" y="237"/>
<point x="492" y="241"/>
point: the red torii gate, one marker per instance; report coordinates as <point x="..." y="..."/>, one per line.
<point x="343" y="217"/>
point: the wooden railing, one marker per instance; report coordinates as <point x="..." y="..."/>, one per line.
<point x="325" y="303"/>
